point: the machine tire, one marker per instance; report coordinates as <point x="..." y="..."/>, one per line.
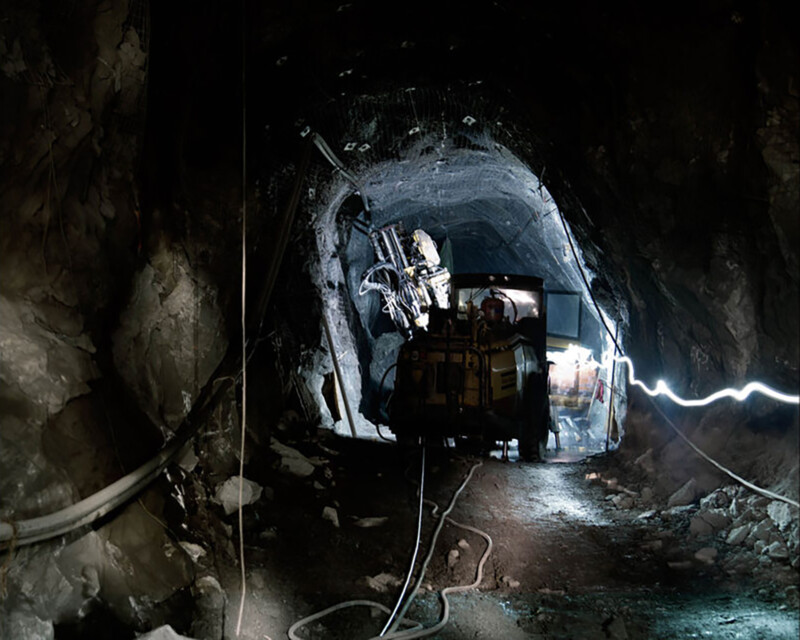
<point x="534" y="435"/>
<point x="528" y="447"/>
<point x="544" y="429"/>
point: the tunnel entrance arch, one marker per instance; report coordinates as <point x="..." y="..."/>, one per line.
<point x="452" y="178"/>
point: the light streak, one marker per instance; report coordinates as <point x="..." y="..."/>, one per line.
<point x="573" y="357"/>
<point x="661" y="389"/>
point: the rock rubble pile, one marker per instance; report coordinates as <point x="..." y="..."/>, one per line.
<point x="742" y="533"/>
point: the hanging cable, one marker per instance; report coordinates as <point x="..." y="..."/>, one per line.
<point x="432" y="548"/>
<point x="416" y="545"/>
<point x="753" y="386"/>
<point x="244" y="335"/>
<point x="586" y="281"/>
<point x="764" y="492"/>
<point x="613" y="383"/>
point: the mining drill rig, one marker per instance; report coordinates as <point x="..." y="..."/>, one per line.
<point x="474" y="365"/>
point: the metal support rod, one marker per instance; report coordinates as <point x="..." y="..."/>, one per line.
<point x="338" y="372"/>
<point x="613" y="382"/>
<point x="594" y="394"/>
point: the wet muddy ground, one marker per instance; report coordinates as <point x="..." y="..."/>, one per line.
<point x="566" y="563"/>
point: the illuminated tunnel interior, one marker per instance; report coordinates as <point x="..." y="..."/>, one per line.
<point x="187" y="195"/>
<point x="480" y="204"/>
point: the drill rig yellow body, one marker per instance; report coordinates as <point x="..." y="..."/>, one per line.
<point x="480" y="369"/>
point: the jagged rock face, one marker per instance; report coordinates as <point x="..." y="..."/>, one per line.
<point x="70" y="222"/>
<point x="170" y="338"/>
<point x="101" y="299"/>
<point x="109" y="323"/>
<point x="706" y="181"/>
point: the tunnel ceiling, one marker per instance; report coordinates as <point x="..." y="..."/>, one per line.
<point x="452" y="178"/>
<point x="492" y="209"/>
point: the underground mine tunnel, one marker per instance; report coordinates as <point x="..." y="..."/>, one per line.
<point x="551" y="185"/>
